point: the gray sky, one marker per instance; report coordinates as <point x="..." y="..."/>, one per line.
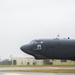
<point x="24" y="20"/>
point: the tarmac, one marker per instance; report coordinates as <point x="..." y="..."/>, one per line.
<point x="33" y="73"/>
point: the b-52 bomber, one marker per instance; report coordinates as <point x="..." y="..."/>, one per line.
<point x="63" y="49"/>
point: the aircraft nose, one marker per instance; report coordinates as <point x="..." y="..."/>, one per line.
<point x="22" y="48"/>
<point x="25" y="48"/>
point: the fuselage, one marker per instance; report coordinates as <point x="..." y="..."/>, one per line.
<point x="51" y="49"/>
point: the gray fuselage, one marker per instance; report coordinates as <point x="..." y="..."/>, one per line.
<point x="51" y="49"/>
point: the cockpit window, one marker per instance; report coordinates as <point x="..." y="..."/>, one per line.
<point x="32" y="42"/>
<point x="41" y="41"/>
<point x="36" y="41"/>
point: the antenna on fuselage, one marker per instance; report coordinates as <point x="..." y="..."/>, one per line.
<point x="58" y="37"/>
<point x="68" y="37"/>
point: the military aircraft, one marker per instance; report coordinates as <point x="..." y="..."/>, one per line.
<point x="63" y="49"/>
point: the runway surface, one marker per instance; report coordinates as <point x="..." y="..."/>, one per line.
<point x="33" y="73"/>
<point x="35" y="68"/>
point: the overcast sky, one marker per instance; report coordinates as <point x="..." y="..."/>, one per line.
<point x="24" y="20"/>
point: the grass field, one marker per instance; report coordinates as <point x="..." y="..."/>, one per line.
<point x="51" y="71"/>
<point x="37" y="65"/>
<point x="46" y="71"/>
